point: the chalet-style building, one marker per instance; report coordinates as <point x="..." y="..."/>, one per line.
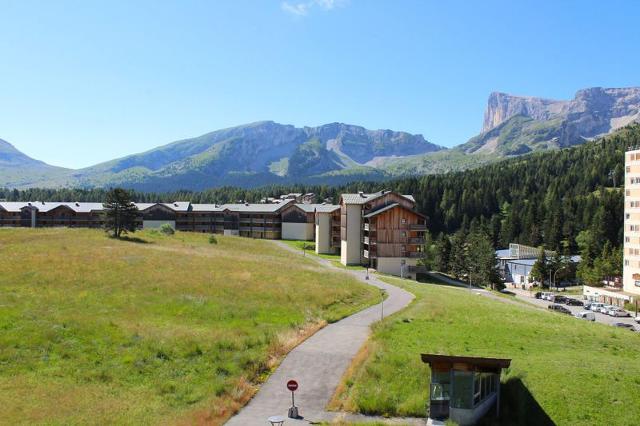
<point x="381" y="230"/>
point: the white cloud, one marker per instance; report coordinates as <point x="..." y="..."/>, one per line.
<point x="302" y="8"/>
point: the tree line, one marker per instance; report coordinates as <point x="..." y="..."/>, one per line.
<point x="568" y="200"/>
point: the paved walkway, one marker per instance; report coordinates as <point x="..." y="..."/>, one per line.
<point x="319" y="363"/>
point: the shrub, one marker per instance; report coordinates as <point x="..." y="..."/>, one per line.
<point x="167" y="229"/>
<point x="213" y="239"/>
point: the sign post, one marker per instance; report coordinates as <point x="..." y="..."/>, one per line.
<point x="292" y="385"/>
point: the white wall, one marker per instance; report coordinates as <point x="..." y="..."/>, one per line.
<point x="323" y="233"/>
<point x="351" y="250"/>
<point x="155" y="224"/>
<point x="392" y="265"/>
<point x="297" y="231"/>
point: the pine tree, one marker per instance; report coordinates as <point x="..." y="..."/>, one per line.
<point x="120" y="213"/>
<point x="482" y="262"/>
<point x="540" y="270"/>
<point x="443" y="253"/>
<point x="458" y="259"/>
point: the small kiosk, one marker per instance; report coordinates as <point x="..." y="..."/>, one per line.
<point x="463" y="388"/>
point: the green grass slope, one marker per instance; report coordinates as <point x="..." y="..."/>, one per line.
<point x="564" y="370"/>
<point x="169" y="330"/>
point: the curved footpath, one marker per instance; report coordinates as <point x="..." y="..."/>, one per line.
<point x="318" y="363"/>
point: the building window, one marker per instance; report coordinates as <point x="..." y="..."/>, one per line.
<point x="404" y="234"/>
<point x="627" y="215"/>
<point x="463" y="385"/>
<point x="628" y="169"/>
<point x="403" y="220"/>
<point x="627" y="239"/>
<point x="626" y="262"/>
<point x="477" y="388"/>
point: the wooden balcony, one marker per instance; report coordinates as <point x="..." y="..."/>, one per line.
<point x="413" y="254"/>
<point x="416" y="241"/>
<point x="418" y="227"/>
<point x="369" y="240"/>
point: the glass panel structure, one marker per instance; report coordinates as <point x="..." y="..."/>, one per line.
<point x="462" y="390"/>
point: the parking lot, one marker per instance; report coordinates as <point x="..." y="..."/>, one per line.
<point x="602" y="318"/>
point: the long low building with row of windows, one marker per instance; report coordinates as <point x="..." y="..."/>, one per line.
<point x="382" y="230"/>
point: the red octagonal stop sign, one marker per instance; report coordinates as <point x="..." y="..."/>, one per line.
<point x="292" y="385"/>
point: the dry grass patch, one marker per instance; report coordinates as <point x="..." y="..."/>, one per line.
<point x="95" y="330"/>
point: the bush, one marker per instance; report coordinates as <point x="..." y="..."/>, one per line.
<point x="213" y="239"/>
<point x="167" y="229"/>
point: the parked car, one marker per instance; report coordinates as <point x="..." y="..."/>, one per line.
<point x="560" y="299"/>
<point x="573" y="302"/>
<point x="605" y="308"/>
<point x="538" y="295"/>
<point x="595" y="306"/>
<point x="638" y="319"/>
<point x="547" y="296"/>
<point x="625" y="325"/>
<point x="559" y="308"/>
<point x="617" y="312"/>
<point x="586" y="315"/>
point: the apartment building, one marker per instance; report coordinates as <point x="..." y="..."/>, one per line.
<point x="381" y="230"/>
<point x="327" y="233"/>
<point x="631" y="267"/>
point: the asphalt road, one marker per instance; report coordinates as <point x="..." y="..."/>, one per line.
<point x="602" y="318"/>
<point x="318" y="363"/>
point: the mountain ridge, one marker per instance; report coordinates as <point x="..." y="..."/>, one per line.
<point x="266" y="152"/>
<point x="252" y="154"/>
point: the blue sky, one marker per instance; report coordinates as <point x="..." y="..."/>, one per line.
<point x="86" y="81"/>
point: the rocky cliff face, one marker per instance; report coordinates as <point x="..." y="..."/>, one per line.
<point x="502" y="106"/>
<point x="594" y="111"/>
<point x="514" y="124"/>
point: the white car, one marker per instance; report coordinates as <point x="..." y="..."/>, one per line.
<point x="617" y="312"/>
<point x="605" y="308"/>
<point x="547" y="296"/>
<point x="586" y="315"/>
<point x="638" y="319"/>
<point x="595" y="307"/>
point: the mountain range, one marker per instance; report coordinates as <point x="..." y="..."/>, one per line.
<point x="267" y="152"/>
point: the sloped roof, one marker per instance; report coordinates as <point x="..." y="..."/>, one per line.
<point x="256" y="208"/>
<point x="310" y="208"/>
<point x="469" y="360"/>
<point x="46" y="206"/>
<point x="389" y="207"/>
<point x="178" y="206"/>
<point x="365" y="198"/>
<point x="326" y="208"/>
<point x="206" y="208"/>
<point x="380" y="210"/>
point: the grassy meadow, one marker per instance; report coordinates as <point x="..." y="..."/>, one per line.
<point x="310" y="247"/>
<point x="564" y="370"/>
<point x="165" y="330"/>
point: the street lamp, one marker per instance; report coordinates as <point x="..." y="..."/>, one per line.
<point x="554" y="274"/>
